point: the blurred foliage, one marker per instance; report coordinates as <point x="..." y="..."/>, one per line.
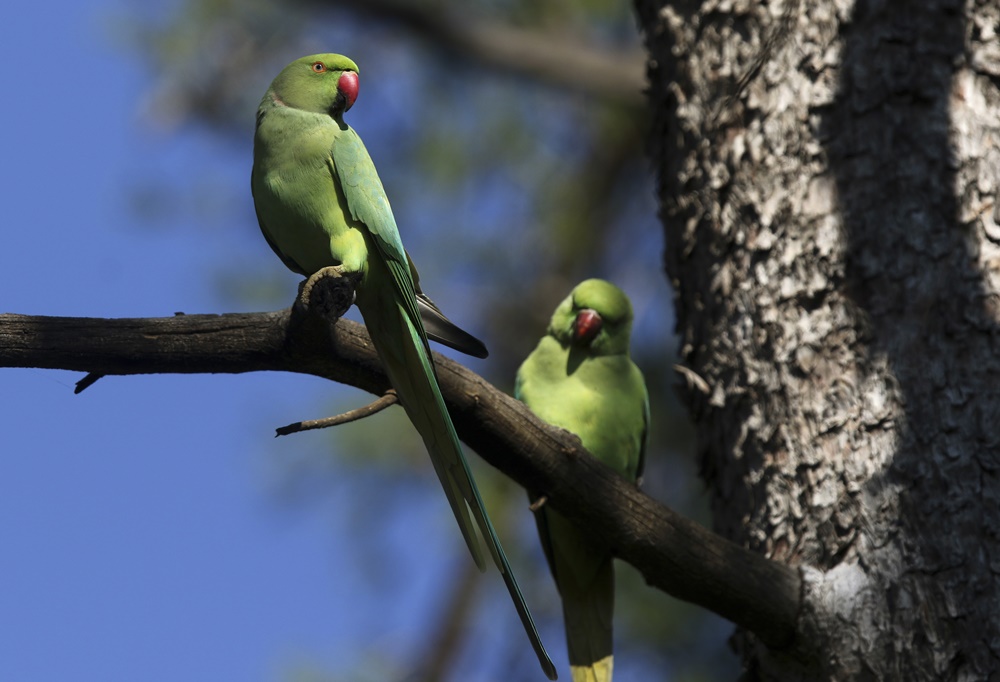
<point x="508" y="191"/>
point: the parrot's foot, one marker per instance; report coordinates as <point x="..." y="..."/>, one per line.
<point x="329" y="291"/>
<point x="388" y="398"/>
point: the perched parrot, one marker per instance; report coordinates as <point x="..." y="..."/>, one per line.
<point x="321" y="204"/>
<point x="580" y="378"/>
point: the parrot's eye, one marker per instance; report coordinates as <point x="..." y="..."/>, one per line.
<point x="319" y="67"/>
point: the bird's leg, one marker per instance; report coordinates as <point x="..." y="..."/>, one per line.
<point x="325" y="296"/>
<point x="329" y="292"/>
<point x="377" y="405"/>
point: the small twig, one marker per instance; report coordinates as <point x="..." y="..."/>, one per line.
<point x="574" y="65"/>
<point x="387" y="399"/>
<point x="86" y="382"/>
<point x="538" y="503"/>
<point x="693" y="379"/>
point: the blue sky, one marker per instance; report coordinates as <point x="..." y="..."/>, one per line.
<point x="142" y="537"/>
<point x="146" y="525"/>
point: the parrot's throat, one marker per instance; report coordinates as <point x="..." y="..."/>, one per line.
<point x="338" y="107"/>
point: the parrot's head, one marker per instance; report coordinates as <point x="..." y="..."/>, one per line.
<point x="596" y="317"/>
<point x="319" y="83"/>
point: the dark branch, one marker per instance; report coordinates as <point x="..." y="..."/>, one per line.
<point x="673" y="553"/>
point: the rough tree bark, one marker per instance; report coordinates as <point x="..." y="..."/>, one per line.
<point x="828" y="177"/>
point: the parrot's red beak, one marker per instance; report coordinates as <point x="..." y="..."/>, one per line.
<point x="348" y="87"/>
<point x="586" y="326"/>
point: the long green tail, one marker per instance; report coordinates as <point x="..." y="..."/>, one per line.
<point x="407" y="361"/>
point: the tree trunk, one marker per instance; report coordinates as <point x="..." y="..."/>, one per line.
<point x="828" y="177"/>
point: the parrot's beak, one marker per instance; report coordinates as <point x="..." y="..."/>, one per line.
<point x="347" y="87"/>
<point x="586" y="326"/>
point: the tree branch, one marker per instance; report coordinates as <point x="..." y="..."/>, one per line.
<point x="549" y="58"/>
<point x="673" y="553"/>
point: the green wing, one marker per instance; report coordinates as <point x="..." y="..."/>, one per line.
<point x="368" y="204"/>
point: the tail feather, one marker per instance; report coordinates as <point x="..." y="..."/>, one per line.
<point x="407" y="361"/>
<point x="459" y="508"/>
<point x="598" y="672"/>
<point x="439" y="328"/>
<point x="584" y="574"/>
<point x="587" y="613"/>
<point x="493" y="542"/>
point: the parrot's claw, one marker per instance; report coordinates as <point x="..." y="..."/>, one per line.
<point x="330" y="291"/>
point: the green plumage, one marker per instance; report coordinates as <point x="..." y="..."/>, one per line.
<point x="580" y="378"/>
<point x="320" y="203"/>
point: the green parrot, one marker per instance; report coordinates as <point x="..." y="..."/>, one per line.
<point x="580" y="378"/>
<point x="321" y="204"/>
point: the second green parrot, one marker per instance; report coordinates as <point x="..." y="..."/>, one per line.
<point x="580" y="378"/>
<point x="321" y="204"/>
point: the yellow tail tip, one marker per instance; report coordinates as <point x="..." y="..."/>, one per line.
<point x="597" y="672"/>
